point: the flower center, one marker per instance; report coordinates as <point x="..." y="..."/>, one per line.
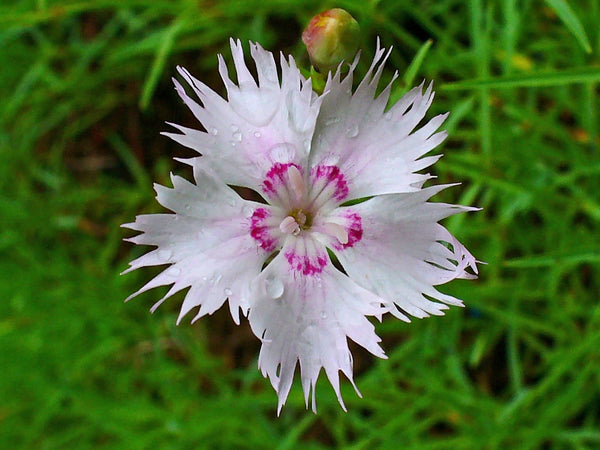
<point x="296" y="221"/>
<point x="304" y="202"/>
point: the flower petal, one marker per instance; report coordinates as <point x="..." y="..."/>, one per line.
<point x="209" y="248"/>
<point x="307" y="319"/>
<point x="374" y="149"/>
<point x="403" y="252"/>
<point x="245" y="135"/>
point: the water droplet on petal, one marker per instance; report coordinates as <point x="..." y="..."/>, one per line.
<point x="216" y="278"/>
<point x="255" y="105"/>
<point x="323" y="315"/>
<point x="274" y="287"/>
<point x="164" y="255"/>
<point x="307" y="145"/>
<point x="332" y="120"/>
<point x="235" y="128"/>
<point x="187" y="207"/>
<point x="227" y="291"/>
<point x="257" y="134"/>
<point x="237" y="136"/>
<point x="319" y="281"/>
<point x="174" y="271"/>
<point x="282" y="153"/>
<point x="213" y="131"/>
<point x="247" y="211"/>
<point x="388" y="115"/>
<point x="350" y="257"/>
<point x="330" y="160"/>
<point x="298" y="118"/>
<point x="352" y="131"/>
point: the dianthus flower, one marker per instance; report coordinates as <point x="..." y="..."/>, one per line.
<point x="338" y="175"/>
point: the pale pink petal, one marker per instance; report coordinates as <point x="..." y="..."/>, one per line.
<point x="403" y="252"/>
<point x="307" y="319"/>
<point x="259" y="125"/>
<point x="208" y="248"/>
<point x="379" y="152"/>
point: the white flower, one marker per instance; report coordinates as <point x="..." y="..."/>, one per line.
<point x="307" y="156"/>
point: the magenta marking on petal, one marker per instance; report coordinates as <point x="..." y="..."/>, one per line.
<point x="331" y="175"/>
<point x="354" y="228"/>
<point x="276" y="177"/>
<point x="260" y="232"/>
<point x="304" y="264"/>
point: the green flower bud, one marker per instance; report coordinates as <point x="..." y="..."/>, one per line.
<point x="330" y="38"/>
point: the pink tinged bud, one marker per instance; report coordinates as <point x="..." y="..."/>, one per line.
<point x="330" y="38"/>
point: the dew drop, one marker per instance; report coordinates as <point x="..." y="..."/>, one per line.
<point x="352" y="131"/>
<point x="216" y="278"/>
<point x="235" y="128"/>
<point x="282" y="152"/>
<point x="257" y="134"/>
<point x="247" y="211"/>
<point x="164" y="255"/>
<point x="330" y="160"/>
<point x="297" y="117"/>
<point x="174" y="271"/>
<point x="227" y="291"/>
<point x="187" y="207"/>
<point x="270" y="74"/>
<point x="237" y="136"/>
<point x="323" y="315"/>
<point x="307" y="145"/>
<point x="388" y="115"/>
<point x="350" y="256"/>
<point x="332" y="120"/>
<point x="319" y="281"/>
<point x="213" y="131"/>
<point x="274" y="287"/>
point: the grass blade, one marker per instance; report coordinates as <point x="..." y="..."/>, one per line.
<point x="558" y="78"/>
<point x="571" y="21"/>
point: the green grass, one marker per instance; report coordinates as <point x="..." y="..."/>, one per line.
<point x="85" y="89"/>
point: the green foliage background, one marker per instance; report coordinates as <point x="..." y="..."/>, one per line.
<point x="85" y="89"/>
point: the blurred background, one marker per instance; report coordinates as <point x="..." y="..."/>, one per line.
<point x="85" y="89"/>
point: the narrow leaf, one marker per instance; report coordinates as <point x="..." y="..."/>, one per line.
<point x="571" y="21"/>
<point x="557" y="78"/>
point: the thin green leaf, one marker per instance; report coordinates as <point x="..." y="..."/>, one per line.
<point x="558" y="78"/>
<point x="411" y="73"/>
<point x="159" y="62"/>
<point x="571" y="21"/>
<point x="551" y="260"/>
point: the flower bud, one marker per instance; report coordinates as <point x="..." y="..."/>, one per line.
<point x="330" y="38"/>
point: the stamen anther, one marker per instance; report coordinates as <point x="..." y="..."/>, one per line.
<point x="337" y="231"/>
<point x="296" y="182"/>
<point x="289" y="226"/>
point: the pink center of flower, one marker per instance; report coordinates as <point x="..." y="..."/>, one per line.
<point x="297" y="200"/>
<point x="260" y="229"/>
<point x="306" y="264"/>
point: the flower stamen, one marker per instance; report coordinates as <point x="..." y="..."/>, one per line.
<point x="289" y="226"/>
<point x="296" y="182"/>
<point x="337" y="231"/>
